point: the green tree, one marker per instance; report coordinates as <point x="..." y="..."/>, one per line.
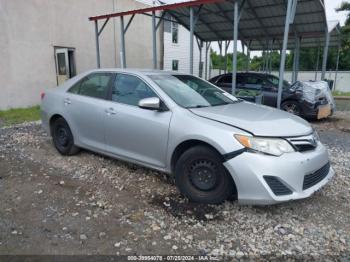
<point x="219" y="61"/>
<point x="344" y="61"/>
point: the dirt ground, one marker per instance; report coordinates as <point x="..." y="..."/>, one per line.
<point x="91" y="204"/>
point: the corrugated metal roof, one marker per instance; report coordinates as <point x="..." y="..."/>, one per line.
<point x="263" y="19"/>
<point x="306" y="41"/>
<point x="260" y="20"/>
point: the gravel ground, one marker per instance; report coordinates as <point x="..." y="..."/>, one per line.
<point x="90" y="204"/>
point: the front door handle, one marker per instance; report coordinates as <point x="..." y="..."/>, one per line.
<point x="67" y="101"/>
<point x="110" y="111"/>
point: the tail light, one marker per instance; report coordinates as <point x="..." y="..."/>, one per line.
<point x="42" y="95"/>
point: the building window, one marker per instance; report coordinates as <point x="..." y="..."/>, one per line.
<point x="175" y="32"/>
<point x="175" y="65"/>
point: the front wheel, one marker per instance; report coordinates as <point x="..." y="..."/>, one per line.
<point x="201" y="177"/>
<point x="63" y="138"/>
<point x="291" y="107"/>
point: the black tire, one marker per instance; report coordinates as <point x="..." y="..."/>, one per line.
<point x="292" y="107"/>
<point x="63" y="138"/>
<point x="201" y="177"/>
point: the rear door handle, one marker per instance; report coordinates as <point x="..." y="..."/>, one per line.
<point x="67" y="101"/>
<point x="110" y="111"/>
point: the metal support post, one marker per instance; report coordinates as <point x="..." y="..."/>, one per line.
<point x="317" y="61"/>
<point x="269" y="56"/>
<point x="271" y="53"/>
<point x="191" y="39"/>
<point x="248" y="56"/>
<point x="154" y="38"/>
<point x="220" y="49"/>
<point x="227" y="44"/>
<point x="325" y="56"/>
<point x="122" y="44"/>
<point x="200" y="67"/>
<point x="284" y="49"/>
<point x="97" y="45"/>
<point x="207" y="48"/>
<point x="337" y="66"/>
<point x="234" y="54"/>
<point x="297" y="61"/>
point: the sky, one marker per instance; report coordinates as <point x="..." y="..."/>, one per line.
<point x="331" y="5"/>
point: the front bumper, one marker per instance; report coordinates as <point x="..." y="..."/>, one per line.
<point x="311" y="110"/>
<point x="248" y="171"/>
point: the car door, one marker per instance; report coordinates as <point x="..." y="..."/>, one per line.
<point x="132" y="132"/>
<point x="250" y="88"/>
<point x="270" y="93"/>
<point x="85" y="107"/>
<point x="270" y="90"/>
<point x="225" y="82"/>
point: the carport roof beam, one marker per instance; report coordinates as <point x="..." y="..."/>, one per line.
<point x="155" y="8"/>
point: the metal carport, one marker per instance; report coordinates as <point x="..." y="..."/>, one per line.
<point x="246" y="20"/>
<point x="331" y="38"/>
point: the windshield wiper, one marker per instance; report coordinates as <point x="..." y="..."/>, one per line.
<point x="197" y="106"/>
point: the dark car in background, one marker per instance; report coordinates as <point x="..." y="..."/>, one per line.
<point x="263" y="88"/>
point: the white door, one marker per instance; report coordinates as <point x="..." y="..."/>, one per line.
<point x="62" y="64"/>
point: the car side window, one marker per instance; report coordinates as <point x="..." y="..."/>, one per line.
<point x="129" y="89"/>
<point x="95" y="85"/>
<point x="253" y="82"/>
<point x="274" y="80"/>
<point x="75" y="88"/>
<point x="239" y="79"/>
<point x="226" y="79"/>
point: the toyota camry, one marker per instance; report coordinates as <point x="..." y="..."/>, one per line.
<point x="215" y="145"/>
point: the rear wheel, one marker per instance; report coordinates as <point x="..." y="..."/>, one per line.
<point x="291" y="107"/>
<point x="201" y="177"/>
<point x="63" y="138"/>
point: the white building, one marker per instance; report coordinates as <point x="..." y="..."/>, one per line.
<point x="177" y="50"/>
<point x="44" y="42"/>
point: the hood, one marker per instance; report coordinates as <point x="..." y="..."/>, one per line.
<point x="257" y="119"/>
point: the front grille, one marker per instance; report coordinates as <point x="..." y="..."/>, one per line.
<point x="303" y="143"/>
<point x="304" y="147"/>
<point x="277" y="187"/>
<point x="316" y="177"/>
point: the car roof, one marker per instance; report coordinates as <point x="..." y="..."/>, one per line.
<point x="141" y="71"/>
<point x="247" y="73"/>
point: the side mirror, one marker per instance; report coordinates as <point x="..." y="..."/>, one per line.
<point x="151" y="103"/>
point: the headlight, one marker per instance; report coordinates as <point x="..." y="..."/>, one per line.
<point x="272" y="146"/>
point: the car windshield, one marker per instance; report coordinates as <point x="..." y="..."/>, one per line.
<point x="191" y="92"/>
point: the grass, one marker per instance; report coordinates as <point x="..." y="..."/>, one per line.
<point x="19" y="115"/>
<point x="338" y="93"/>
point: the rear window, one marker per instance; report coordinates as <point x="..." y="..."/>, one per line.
<point x="94" y="85"/>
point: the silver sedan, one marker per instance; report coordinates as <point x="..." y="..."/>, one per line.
<point x="215" y="145"/>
